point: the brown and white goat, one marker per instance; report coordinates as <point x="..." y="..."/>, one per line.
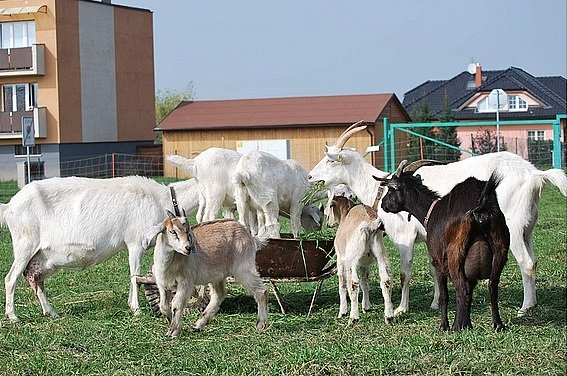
<point x="206" y="254"/>
<point x="356" y="246"/>
<point x="467" y="236"/>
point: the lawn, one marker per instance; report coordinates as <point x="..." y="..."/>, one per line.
<point x="97" y="335"/>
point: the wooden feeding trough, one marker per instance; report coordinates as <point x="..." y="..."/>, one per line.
<point x="294" y="260"/>
<point x="280" y="260"/>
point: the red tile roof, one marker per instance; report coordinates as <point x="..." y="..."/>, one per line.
<point x="291" y="111"/>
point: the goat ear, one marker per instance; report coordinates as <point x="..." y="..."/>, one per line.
<point x="151" y="235"/>
<point x="192" y="240"/>
<point x="334" y="155"/>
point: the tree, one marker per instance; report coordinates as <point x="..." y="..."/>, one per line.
<point x="415" y="144"/>
<point x="485" y="142"/>
<point x="447" y="135"/>
<point x="168" y="100"/>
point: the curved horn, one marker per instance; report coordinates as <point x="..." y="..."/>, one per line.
<point x="347" y="134"/>
<point x="401" y="168"/>
<point x="413" y="166"/>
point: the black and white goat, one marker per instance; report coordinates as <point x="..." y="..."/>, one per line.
<point x="467" y="236"/>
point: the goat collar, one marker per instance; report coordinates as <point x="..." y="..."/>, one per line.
<point x="426" y="220"/>
<point x="174" y="201"/>
<point x="378" y="197"/>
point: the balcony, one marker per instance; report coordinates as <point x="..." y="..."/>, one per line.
<point x="11" y="123"/>
<point x="23" y="61"/>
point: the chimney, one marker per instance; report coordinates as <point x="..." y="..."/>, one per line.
<point x="478" y="76"/>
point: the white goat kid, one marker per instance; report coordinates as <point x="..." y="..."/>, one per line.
<point x="359" y="241"/>
<point x="518" y="197"/>
<point x="75" y="223"/>
<point x="213" y="169"/>
<point x="206" y="254"/>
<point x="267" y="185"/>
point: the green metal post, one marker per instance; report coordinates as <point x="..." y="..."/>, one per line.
<point x="392" y="150"/>
<point x="557" y="143"/>
<point x="386" y="142"/>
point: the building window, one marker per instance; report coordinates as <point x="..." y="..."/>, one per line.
<point x="17" y="34"/>
<point x="483" y="106"/>
<point x="20" y="150"/>
<point x="277" y="148"/>
<point x="19" y="97"/>
<point x="536" y="135"/>
<point x="516" y="103"/>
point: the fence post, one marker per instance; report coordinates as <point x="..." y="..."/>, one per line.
<point x="557" y="143"/>
<point x="112" y="166"/>
<point x="386" y="142"/>
<point x="391" y="137"/>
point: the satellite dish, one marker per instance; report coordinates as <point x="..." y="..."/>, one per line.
<point x="471" y="68"/>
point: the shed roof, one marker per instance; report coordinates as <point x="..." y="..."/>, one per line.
<point x="284" y="112"/>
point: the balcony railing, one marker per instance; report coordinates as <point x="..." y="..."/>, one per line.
<point x="11" y="123"/>
<point x="23" y="61"/>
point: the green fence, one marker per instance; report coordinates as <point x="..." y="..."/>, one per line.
<point x="389" y="141"/>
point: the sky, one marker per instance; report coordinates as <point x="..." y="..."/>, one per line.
<point x="270" y="48"/>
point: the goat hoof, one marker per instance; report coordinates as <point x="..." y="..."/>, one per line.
<point x="524" y="311"/>
<point x="389" y="320"/>
<point x="13" y="319"/>
<point x="499" y="327"/>
<point x="352" y="321"/>
<point x="400" y="311"/>
<point x="173" y="333"/>
<point x="197" y="329"/>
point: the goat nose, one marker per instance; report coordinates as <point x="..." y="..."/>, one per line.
<point x="188" y="248"/>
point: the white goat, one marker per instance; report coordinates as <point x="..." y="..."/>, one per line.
<point x="268" y="185"/>
<point x="213" y="169"/>
<point x="358" y="241"/>
<point x="518" y="196"/>
<point x="74" y="223"/>
<point x="206" y="254"/>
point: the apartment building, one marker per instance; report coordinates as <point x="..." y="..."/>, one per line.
<point x="83" y="71"/>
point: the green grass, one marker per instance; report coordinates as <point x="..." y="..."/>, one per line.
<point x="97" y="335"/>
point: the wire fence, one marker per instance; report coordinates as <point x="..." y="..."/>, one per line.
<point x="99" y="167"/>
<point x="114" y="165"/>
<point x="538" y="152"/>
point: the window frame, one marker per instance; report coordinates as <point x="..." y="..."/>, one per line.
<point x="536" y="135"/>
<point x="28" y="37"/>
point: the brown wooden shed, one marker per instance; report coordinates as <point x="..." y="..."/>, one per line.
<point x="303" y="125"/>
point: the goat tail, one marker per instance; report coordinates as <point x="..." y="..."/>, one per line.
<point x="180" y="161"/>
<point x="3" y="209"/>
<point x="240" y="177"/>
<point x="260" y="240"/>
<point x="487" y="207"/>
<point x="554" y="176"/>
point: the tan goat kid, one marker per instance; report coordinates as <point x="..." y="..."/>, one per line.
<point x="358" y="241"/>
<point x="206" y="254"/>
